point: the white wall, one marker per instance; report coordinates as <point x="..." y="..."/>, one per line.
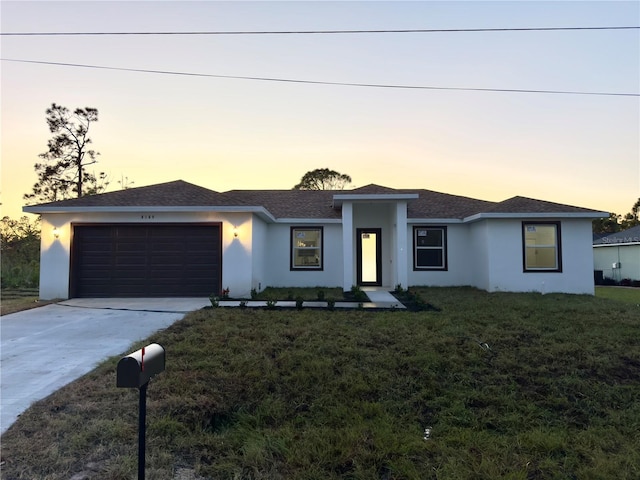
<point x="459" y="257"/>
<point x="479" y="255"/>
<point x="278" y="264"/>
<point x="259" y="254"/>
<point x="237" y="264"/>
<point x="505" y="259"/>
<point x="55" y="252"/>
<point x="627" y="255"/>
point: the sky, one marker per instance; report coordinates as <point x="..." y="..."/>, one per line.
<point x="230" y="133"/>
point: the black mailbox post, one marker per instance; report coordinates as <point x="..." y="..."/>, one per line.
<point x="134" y="371"/>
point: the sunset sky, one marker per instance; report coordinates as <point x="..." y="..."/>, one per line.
<point x="230" y="133"/>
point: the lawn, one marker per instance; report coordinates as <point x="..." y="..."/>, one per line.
<point x="18" y="299"/>
<point x="621" y="294"/>
<point x="517" y="386"/>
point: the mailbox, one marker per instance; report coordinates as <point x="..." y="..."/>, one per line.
<point x="136" y="369"/>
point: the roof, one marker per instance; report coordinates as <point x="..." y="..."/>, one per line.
<point x="629" y="236"/>
<point x="171" y="194"/>
<point x="308" y="204"/>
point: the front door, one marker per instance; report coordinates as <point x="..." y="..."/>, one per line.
<point x="369" y="248"/>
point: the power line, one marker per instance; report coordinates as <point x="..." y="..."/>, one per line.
<point x="326" y="32"/>
<point x="319" y="82"/>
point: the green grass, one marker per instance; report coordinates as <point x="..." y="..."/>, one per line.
<point x="517" y="386"/>
<point x="621" y="294"/>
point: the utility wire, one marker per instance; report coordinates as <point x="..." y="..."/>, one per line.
<point x="325" y="32"/>
<point x="318" y="82"/>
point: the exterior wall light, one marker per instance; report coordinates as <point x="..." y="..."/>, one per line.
<point x="56" y="232"/>
<point x="235" y="232"/>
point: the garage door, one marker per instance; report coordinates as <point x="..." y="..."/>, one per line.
<point x="146" y="260"/>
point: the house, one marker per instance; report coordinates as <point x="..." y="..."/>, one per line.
<point x="179" y="239"/>
<point x="617" y="255"/>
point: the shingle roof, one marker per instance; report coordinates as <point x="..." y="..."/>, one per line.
<point x="530" y="205"/>
<point x="290" y="203"/>
<point x="314" y="204"/>
<point x="631" y="235"/>
<point x="432" y="204"/>
<point x="171" y="194"/>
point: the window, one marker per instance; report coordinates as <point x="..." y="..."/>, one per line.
<point x="541" y="247"/>
<point x="306" y="248"/>
<point x="430" y="248"/>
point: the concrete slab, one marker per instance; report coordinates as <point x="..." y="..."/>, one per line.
<point x="44" y="348"/>
<point x="382" y="298"/>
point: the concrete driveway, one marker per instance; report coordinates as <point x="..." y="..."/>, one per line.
<point x="45" y="348"/>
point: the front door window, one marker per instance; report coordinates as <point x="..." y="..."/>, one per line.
<point x="369" y="247"/>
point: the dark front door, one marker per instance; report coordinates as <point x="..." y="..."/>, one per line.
<point x="146" y="260"/>
<point x="369" y="248"/>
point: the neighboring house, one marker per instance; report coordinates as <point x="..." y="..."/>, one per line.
<point x="617" y="255"/>
<point x="179" y="239"/>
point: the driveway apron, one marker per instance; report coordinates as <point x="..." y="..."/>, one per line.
<point x="45" y="348"/>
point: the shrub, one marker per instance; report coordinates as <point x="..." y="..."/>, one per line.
<point x="299" y="302"/>
<point x="271" y="304"/>
<point x="357" y="293"/>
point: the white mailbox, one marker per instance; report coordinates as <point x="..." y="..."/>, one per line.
<point x="137" y="368"/>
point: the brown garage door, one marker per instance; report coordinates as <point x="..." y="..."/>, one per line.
<point x="146" y="260"/>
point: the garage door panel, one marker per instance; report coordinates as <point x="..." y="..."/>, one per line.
<point x="146" y="260"/>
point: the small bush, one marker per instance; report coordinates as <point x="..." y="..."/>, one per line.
<point x="357" y="294"/>
<point x="271" y="304"/>
<point x="299" y="302"/>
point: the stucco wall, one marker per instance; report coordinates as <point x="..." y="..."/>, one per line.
<point x="460" y="255"/>
<point x="479" y="255"/>
<point x="259" y="254"/>
<point x="505" y="259"/>
<point x="55" y="252"/>
<point x="278" y="272"/>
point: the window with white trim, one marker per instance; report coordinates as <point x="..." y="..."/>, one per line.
<point x="430" y="248"/>
<point x="306" y="248"/>
<point x="541" y="247"/>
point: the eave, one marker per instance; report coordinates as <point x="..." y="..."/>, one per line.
<point x="261" y="212"/>
<point x="340" y="198"/>
<point x="535" y="216"/>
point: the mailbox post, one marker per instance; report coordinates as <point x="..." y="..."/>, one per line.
<point x="134" y="371"/>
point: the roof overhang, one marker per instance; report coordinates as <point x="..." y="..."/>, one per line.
<point x="261" y="212"/>
<point x="535" y="216"/>
<point x="340" y="198"/>
<point x="615" y="244"/>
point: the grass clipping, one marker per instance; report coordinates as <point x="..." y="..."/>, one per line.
<point x="519" y="386"/>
